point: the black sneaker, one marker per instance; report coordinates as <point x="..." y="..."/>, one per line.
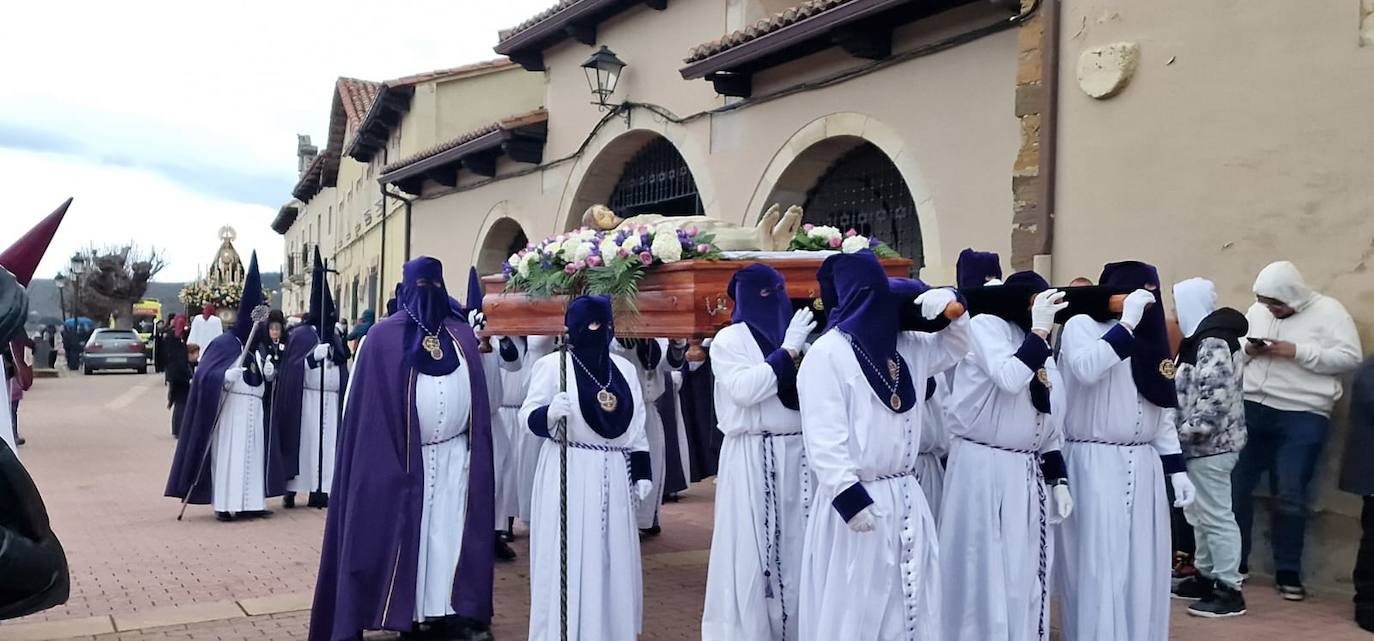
<point x="1222" y="603"/>
<point x="1193" y="588"/>
<point x="1290" y="585"/>
<point x="503" y="550"/>
<point x="288" y="500"/>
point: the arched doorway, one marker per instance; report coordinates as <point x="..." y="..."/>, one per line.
<point x="640" y="172"/>
<point x="862" y="189"/>
<point x="505" y="237"/>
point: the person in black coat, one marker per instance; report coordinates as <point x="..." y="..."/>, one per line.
<point x="1357" y="477"/>
<point x="177" y="368"/>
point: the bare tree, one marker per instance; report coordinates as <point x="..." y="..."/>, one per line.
<point x="115" y="277"/>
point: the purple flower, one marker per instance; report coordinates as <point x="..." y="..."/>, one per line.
<point x="873" y="241"/>
<point x="646" y="258"/>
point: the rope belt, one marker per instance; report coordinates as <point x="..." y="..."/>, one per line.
<point x="998" y="447"/>
<point x="1094" y="441"/>
<point x="772" y="517"/>
<point x="598" y="447"/>
<point x="606" y="479"/>
<point x="245" y="394"/>
<point x="442" y="441"/>
<point x="890" y="477"/>
<point x="509" y="407"/>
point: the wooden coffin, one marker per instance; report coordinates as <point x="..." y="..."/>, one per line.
<point x="686" y="299"/>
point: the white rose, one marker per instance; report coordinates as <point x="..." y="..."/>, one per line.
<point x="665" y="228"/>
<point x="608" y="248"/>
<point x="569" y="248"/>
<point x="854" y="243"/>
<point x="824" y="232"/>
<point x="582" y="251"/>
<point x="631" y="242"/>
<point x="666" y="247"/>
<point x="586" y="233"/>
<point x="523" y="267"/>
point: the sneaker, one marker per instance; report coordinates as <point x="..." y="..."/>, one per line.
<point x="1290" y="586"/>
<point x="503" y="551"/>
<point x="1222" y="603"/>
<point x="1193" y="588"/>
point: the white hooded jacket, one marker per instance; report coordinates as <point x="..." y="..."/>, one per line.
<point x="1328" y="345"/>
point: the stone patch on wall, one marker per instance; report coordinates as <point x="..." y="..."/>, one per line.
<point x="1104" y="71"/>
<point x="1367" y="23"/>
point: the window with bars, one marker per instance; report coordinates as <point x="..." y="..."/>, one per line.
<point x="656" y="180"/>
<point x="862" y="189"/>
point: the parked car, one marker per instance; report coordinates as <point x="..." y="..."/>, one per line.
<point x="115" y="349"/>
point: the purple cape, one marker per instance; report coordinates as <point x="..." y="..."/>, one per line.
<point x="190" y="473"/>
<point x="290" y="388"/>
<point x="368" y="564"/>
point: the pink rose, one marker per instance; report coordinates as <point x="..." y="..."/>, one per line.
<point x="570" y="268"/>
<point x="851" y="233"/>
<point x="594" y="261"/>
<point x="703" y="248"/>
<point x="580" y="265"/>
<point x="692" y="230"/>
<point x="646" y="258"/>
<point x="835" y="243"/>
<point x="622" y="253"/>
<point x="808" y="227"/>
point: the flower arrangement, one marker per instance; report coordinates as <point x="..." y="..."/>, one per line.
<point x="221" y="295"/>
<point x="588" y="261"/>
<point x="826" y="238"/>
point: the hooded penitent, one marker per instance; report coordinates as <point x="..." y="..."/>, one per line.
<point x="22" y="257"/>
<point x="1199" y="319"/>
<point x="870" y="319"/>
<point x="591" y="364"/>
<point x="761" y="304"/>
<point x="190" y="475"/>
<point x="424" y="301"/>
<point x="474" y="299"/>
<point x="370" y="555"/>
<point x="14" y="304"/>
<point x="290" y="383"/>
<point x="1151" y="366"/>
<point x="975" y="268"/>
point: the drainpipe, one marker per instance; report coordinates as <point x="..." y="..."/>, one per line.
<point x="408" y="202"/>
<point x="1049" y="134"/>
<point x="381" y="262"/>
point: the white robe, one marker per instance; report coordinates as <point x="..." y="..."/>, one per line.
<point x="763" y="495"/>
<point x="1114" y="551"/>
<point x="605" y="584"/>
<point x="930" y="467"/>
<point x="652" y="387"/>
<point x="443" y="405"/>
<point x="504" y="449"/>
<point x="515" y="385"/>
<point x="881" y="585"/>
<point x="204" y="330"/>
<point x="312" y="476"/>
<point x="7" y="421"/>
<point x="238" y="475"/>
<point x="996" y="545"/>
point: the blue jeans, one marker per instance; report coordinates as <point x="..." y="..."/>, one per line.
<point x="1287" y="446"/>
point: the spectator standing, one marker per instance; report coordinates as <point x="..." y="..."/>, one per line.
<point x="1211" y="431"/>
<point x="1357" y="477"/>
<point x="1303" y="343"/>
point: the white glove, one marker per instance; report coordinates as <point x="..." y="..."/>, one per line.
<point x="1046" y="305"/>
<point x="865" y="520"/>
<point x="993" y="282"/>
<point x="934" y="302"/>
<point x="233" y="375"/>
<point x="1184" y="492"/>
<point x="1134" y="308"/>
<point x="269" y="371"/>
<point x="321" y="353"/>
<point x="1063" y="501"/>
<point x="477" y="320"/>
<point x="560" y="407"/>
<point x="643" y="487"/>
<point x="706" y="343"/>
<point x="802" y="324"/>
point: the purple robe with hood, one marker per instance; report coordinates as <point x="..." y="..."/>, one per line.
<point x="371" y="542"/>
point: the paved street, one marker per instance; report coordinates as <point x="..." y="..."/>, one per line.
<point x="99" y="448"/>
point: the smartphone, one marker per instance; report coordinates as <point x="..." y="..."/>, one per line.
<point x="1257" y="342"/>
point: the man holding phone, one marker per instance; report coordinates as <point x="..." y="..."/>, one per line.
<point x="1300" y="345"/>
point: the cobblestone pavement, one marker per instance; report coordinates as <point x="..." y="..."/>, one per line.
<point x="99" y="448"/>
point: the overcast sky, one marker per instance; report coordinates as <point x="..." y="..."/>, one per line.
<point x="167" y="120"/>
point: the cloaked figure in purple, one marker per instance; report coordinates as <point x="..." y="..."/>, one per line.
<point x="226" y="455"/>
<point x="308" y="403"/>
<point x="409" y="538"/>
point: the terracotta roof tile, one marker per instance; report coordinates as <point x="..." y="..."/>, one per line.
<point x="357" y="97"/>
<point x="763" y="27"/>
<point x="440" y="74"/>
<point x="506" y="34"/>
<point x="507" y="123"/>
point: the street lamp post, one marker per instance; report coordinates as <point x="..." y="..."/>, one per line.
<point x="61" y="282"/>
<point x="603" y="70"/>
<point x="78" y="267"/>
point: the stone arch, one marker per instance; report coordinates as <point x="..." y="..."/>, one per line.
<point x="496" y="239"/>
<point x="593" y="176"/>
<point x="804" y="158"/>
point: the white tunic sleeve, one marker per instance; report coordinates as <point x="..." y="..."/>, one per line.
<point x="543" y="387"/>
<point x="946" y="347"/>
<point x="1166" y="437"/>
<point x="1085" y="355"/>
<point x="639" y="439"/>
<point x="825" y="417"/>
<point x="994" y="352"/>
<point x="739" y="372"/>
